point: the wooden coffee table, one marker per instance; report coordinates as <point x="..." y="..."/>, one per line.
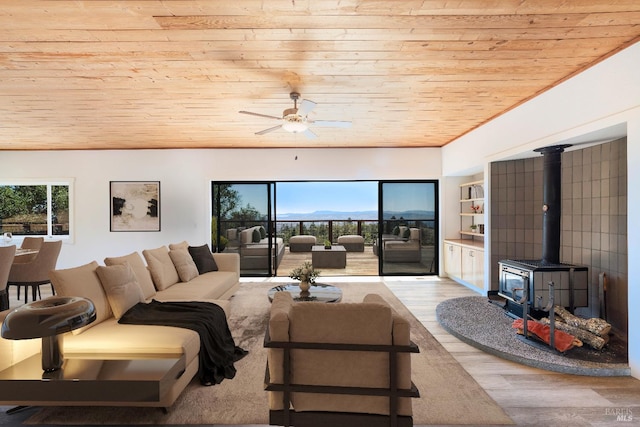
<point x="320" y="292"/>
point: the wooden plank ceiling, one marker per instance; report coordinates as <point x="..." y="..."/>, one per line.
<point x="164" y="74"/>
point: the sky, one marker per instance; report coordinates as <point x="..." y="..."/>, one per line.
<point x="349" y="196"/>
<point x="305" y="197"/>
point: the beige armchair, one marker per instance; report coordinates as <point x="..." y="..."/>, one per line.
<point x="346" y="364"/>
<point x="36" y="272"/>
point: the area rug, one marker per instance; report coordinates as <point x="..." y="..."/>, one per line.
<point x="448" y="394"/>
<point x="484" y="325"/>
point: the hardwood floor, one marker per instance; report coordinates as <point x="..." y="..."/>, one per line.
<point x="530" y="396"/>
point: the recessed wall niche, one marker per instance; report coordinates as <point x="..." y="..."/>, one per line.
<point x="593" y="222"/>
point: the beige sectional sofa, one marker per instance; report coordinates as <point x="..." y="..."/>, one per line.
<point x="174" y="273"/>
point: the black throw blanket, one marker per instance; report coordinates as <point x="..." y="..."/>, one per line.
<point x="218" y="351"/>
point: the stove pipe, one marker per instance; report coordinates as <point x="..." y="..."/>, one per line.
<point x="551" y="197"/>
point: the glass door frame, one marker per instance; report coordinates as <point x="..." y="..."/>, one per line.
<point x="269" y="221"/>
<point x="433" y="265"/>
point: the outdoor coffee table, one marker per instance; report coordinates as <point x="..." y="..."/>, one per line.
<point x="333" y="257"/>
<point x="319" y="292"/>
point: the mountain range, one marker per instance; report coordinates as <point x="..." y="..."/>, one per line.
<point x="354" y="215"/>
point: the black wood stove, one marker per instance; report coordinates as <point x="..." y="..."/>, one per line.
<point x="541" y="283"/>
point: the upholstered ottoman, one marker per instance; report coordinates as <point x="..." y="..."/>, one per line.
<point x="301" y="243"/>
<point x="352" y="243"/>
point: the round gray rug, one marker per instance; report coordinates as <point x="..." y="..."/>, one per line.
<point x="484" y="325"/>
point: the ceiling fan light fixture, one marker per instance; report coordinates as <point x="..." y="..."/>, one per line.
<point x="294" y="123"/>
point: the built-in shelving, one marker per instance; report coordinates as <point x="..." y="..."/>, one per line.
<point x="472" y="210"/>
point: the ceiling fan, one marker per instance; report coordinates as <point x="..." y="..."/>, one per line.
<point x="296" y="120"/>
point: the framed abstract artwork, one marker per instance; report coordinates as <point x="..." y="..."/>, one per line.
<point x="135" y="205"/>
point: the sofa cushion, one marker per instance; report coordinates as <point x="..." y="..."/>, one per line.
<point x="82" y="281"/>
<point x="162" y="270"/>
<point x="121" y="287"/>
<point x="203" y="258"/>
<point x="139" y="269"/>
<point x="133" y="341"/>
<point x="357" y="323"/>
<point x="184" y="264"/>
<point x="182" y="245"/>
<point x="209" y="285"/>
<point x="246" y="236"/>
<point x="256" y="236"/>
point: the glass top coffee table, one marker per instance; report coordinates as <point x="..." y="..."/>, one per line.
<point x="319" y="292"/>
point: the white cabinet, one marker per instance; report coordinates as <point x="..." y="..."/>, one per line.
<point x="464" y="262"/>
<point x="473" y="267"/>
<point x="453" y="260"/>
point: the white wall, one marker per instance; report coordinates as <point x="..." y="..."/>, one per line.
<point x="185" y="177"/>
<point x="603" y="97"/>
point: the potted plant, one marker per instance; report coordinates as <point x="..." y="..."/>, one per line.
<point x="306" y="274"/>
<point x="327" y="244"/>
<point x="474" y="228"/>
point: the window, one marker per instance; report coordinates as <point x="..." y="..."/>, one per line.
<point x="35" y="208"/>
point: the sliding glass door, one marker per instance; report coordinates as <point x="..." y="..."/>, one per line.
<point x="387" y="228"/>
<point x="407" y="235"/>
<point x="242" y="222"/>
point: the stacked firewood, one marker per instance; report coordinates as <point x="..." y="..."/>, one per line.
<point x="594" y="331"/>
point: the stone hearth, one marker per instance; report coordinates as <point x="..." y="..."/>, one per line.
<point x="484" y="325"/>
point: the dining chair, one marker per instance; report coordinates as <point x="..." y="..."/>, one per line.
<point x="6" y="259"/>
<point x="32" y="243"/>
<point x="36" y="272"/>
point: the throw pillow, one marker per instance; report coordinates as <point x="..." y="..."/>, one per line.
<point x="122" y="288"/>
<point x="396" y="230"/>
<point x="162" y="270"/>
<point x="84" y="282"/>
<point x="256" y="235"/>
<point x="263" y="232"/>
<point x="203" y="258"/>
<point x="406" y="233"/>
<point x="140" y="270"/>
<point x="184" y="264"/>
<point x="182" y="245"/>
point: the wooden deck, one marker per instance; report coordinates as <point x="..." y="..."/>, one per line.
<point x="358" y="264"/>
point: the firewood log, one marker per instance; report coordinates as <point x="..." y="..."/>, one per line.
<point x="563" y="341"/>
<point x="586" y="337"/>
<point x="595" y="325"/>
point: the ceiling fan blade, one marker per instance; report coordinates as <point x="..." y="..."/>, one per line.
<point x="262" y="132"/>
<point x="331" y="123"/>
<point x="309" y="134"/>
<point x="260" y="115"/>
<point x="306" y="107"/>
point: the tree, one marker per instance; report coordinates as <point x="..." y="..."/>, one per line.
<point x="228" y="199"/>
